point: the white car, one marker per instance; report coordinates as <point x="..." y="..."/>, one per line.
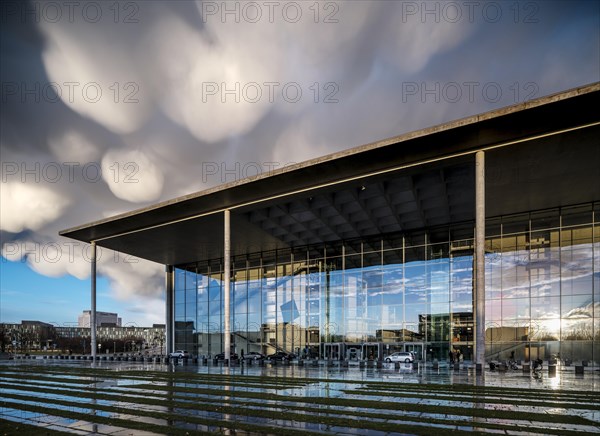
<point x="400" y="356"/>
<point x="179" y="354"/>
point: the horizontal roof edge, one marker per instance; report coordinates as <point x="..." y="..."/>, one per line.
<point x="77" y="232"/>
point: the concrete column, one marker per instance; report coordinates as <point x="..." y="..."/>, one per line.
<point x="93" y="307"/>
<point x="480" y="257"/>
<point x="227" y="287"/>
<point x="170" y="310"/>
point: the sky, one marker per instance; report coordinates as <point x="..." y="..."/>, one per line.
<point x="108" y="107"/>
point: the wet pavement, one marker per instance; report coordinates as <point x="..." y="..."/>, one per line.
<point x="129" y="398"/>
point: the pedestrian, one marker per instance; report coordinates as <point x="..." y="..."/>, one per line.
<point x="451" y="356"/>
<point x="242" y="354"/>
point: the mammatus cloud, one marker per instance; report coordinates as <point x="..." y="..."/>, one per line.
<point x="29" y="206"/>
<point x="131" y="175"/>
<point x="95" y="79"/>
<point x="74" y="146"/>
<point x="147" y="103"/>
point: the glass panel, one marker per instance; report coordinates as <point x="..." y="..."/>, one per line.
<point x="542" y="286"/>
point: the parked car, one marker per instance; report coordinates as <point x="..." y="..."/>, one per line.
<point x="401" y="356"/>
<point x="221" y="356"/>
<point x="180" y="354"/>
<point x="254" y="355"/>
<point x="281" y="355"/>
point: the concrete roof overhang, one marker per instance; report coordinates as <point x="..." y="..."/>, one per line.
<point x="540" y="154"/>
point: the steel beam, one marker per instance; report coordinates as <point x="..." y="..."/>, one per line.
<point x="480" y="258"/>
<point x="226" y="282"/>
<point x="170" y="312"/>
<point x="93" y="306"/>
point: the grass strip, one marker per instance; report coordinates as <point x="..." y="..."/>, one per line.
<point x="368" y="389"/>
<point x="177" y="376"/>
<point x="134" y="425"/>
<point x="451" y="410"/>
<point x="295" y="417"/>
<point x="475" y="397"/>
<point x="493" y="391"/>
<point x="238" y="425"/>
<point x="8" y="427"/>
<point x="67" y="380"/>
<point x="489" y="390"/>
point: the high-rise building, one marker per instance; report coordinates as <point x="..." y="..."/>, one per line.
<point x="103" y="319"/>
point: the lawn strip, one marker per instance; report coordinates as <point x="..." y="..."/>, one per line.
<point x="140" y="378"/>
<point x="430" y="388"/>
<point x="474" y="397"/>
<point x="295" y="417"/>
<point x="292" y="382"/>
<point x="8" y="427"/>
<point x="489" y="390"/>
<point x="419" y="429"/>
<point x="177" y="376"/>
<point x="452" y="410"/>
<point x="108" y="379"/>
<point x="497" y="414"/>
<point x="238" y="425"/>
<point x="127" y="424"/>
<point x="47" y="378"/>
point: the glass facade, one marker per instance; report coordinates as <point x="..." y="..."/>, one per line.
<point x="412" y="292"/>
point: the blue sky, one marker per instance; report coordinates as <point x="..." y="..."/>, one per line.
<point x="31" y="296"/>
<point x="103" y="114"/>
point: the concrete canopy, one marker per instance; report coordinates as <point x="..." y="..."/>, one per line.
<point x="414" y="181"/>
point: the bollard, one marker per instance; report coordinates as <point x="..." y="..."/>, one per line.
<point x="551" y="370"/>
<point x="435" y="365"/>
<point x="362" y="364"/>
<point x="579" y="369"/>
<point x="478" y="368"/>
<point x="396" y="365"/>
<point x="526" y="367"/>
<point x="456" y="366"/>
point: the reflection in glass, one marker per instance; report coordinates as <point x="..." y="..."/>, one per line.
<point x="542" y="296"/>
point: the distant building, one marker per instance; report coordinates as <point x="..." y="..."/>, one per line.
<point x="36" y="335"/>
<point x="103" y="319"/>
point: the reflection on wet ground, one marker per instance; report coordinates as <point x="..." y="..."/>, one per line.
<point x="117" y="398"/>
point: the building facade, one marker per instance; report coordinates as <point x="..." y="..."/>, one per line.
<point x="411" y="291"/>
<point x="102" y="318"/>
<point x="480" y="235"/>
<point x="40" y="336"/>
